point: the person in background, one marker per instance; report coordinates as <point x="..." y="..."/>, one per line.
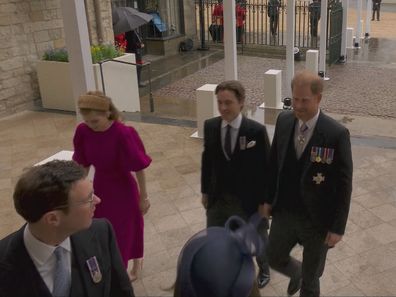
<point x="314" y="16"/>
<point x="376" y="8"/>
<point x="135" y="45"/>
<point x="61" y="250"/>
<point x="310" y="186"/>
<point x="115" y="150"/>
<point x="240" y="11"/>
<point x="273" y="14"/>
<point x="235" y="166"/>
<point x="217" y="21"/>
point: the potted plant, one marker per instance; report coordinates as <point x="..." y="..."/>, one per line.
<point x="120" y="79"/>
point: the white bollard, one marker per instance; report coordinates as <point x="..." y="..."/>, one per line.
<point x="349" y="37"/>
<point x="273" y="88"/>
<point x="311" y="61"/>
<point x="206" y="107"/>
<point x="361" y="29"/>
<point x="272" y="95"/>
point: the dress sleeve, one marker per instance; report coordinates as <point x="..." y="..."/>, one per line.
<point x="133" y="154"/>
<point x="79" y="150"/>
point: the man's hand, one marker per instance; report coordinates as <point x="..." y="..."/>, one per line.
<point x="332" y="239"/>
<point x="205" y="200"/>
<point x="265" y="210"/>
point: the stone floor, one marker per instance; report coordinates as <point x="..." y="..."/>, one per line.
<point x="363" y="264"/>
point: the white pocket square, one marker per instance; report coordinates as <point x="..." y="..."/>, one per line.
<point x="251" y="144"/>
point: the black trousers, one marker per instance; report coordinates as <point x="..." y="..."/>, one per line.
<point x="377" y="9"/>
<point x="288" y="229"/>
<point x="314" y="26"/>
<point x="228" y="206"/>
<point x="273" y="24"/>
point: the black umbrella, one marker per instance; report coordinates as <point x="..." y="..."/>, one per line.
<point x="127" y="18"/>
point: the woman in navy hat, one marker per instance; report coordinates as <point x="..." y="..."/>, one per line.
<point x="218" y="262"/>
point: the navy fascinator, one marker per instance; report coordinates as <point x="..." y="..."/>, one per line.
<point x="218" y="262"/>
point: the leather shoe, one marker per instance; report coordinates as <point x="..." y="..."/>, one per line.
<point x="294" y="286"/>
<point x="262" y="279"/>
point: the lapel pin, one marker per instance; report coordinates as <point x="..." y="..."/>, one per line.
<point x="94" y="269"/>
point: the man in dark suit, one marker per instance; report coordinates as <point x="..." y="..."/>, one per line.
<point x="234" y="165"/>
<point x="61" y="251"/>
<point x="310" y="187"/>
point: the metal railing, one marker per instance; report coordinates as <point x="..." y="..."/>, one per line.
<point x="256" y="27"/>
<point x="148" y="64"/>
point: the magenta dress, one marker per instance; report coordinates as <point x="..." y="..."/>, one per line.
<point x="115" y="153"/>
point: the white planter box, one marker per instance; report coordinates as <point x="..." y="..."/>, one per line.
<point x="120" y="84"/>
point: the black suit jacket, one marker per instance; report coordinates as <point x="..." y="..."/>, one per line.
<point x="19" y="276"/>
<point x="327" y="203"/>
<point x="247" y="168"/>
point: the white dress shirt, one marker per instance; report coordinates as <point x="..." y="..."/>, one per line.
<point x="43" y="256"/>
<point x="308" y="133"/>
<point x="235" y="125"/>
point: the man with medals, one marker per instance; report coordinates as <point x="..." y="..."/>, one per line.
<point x="310" y="186"/>
<point x="60" y="251"/>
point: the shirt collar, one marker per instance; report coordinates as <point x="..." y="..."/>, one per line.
<point x="310" y="123"/>
<point x="235" y="123"/>
<point x="39" y="251"/>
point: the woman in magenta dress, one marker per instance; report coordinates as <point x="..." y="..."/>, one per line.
<point x="115" y="150"/>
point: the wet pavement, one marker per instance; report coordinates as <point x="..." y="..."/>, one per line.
<point x="364" y="86"/>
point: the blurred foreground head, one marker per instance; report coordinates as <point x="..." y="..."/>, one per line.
<point x="218" y="262"/>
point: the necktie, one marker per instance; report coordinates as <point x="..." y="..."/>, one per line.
<point x="62" y="279"/>
<point x="301" y="140"/>
<point x="227" y="142"/>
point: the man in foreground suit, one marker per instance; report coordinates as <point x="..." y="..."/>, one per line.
<point x="61" y="251"/>
<point x="310" y="187"/>
<point x="234" y="165"/>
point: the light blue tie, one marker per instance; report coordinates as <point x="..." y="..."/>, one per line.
<point x="62" y="279"/>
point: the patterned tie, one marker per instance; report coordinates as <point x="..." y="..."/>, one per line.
<point x="227" y="142"/>
<point x="301" y="141"/>
<point x="62" y="279"/>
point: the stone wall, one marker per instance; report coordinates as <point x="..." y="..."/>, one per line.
<point x="27" y="29"/>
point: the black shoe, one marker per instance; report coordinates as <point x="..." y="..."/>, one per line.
<point x="294" y="286"/>
<point x="262" y="279"/>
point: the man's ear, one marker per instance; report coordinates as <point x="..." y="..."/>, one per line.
<point x="52" y="218"/>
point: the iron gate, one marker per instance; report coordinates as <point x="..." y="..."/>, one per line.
<point x="334" y="41"/>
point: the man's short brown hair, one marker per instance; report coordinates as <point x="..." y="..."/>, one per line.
<point x="234" y="86"/>
<point x="44" y="188"/>
<point x="306" y="77"/>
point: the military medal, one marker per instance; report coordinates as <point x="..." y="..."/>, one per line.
<point x="313" y="154"/>
<point x="318" y="155"/>
<point x="330" y="157"/>
<point x="318" y="179"/>
<point x="94" y="269"/>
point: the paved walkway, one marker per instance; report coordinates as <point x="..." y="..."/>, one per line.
<point x="363" y="264"/>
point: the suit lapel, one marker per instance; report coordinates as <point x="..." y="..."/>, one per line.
<point x="24" y="270"/>
<point x="84" y="248"/>
<point x="285" y="133"/>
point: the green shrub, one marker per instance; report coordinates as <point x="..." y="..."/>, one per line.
<point x="98" y="53"/>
